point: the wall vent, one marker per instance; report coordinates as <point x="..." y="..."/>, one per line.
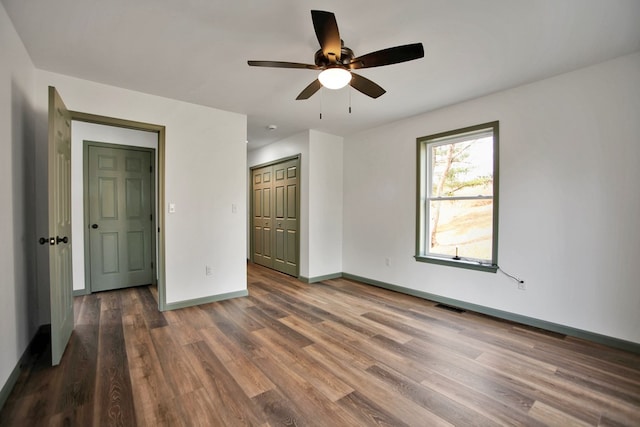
<point x="450" y="308"/>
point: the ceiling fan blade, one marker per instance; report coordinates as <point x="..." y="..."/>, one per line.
<point x="392" y="55"/>
<point x="310" y="90"/>
<point x="328" y="35"/>
<point x="366" y="86"/>
<point x="282" y="64"/>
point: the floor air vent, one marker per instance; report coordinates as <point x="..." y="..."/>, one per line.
<point x="448" y="307"/>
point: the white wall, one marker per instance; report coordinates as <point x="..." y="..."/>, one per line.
<point x="325" y="204"/>
<point x="18" y="309"/>
<point x="205" y="175"/>
<point x="320" y="201"/>
<point x="569" y="201"/>
<point x="80" y="132"/>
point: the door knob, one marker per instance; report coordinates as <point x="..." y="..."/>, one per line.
<point x="64" y="239"/>
<point x="45" y="240"/>
<point x="94" y="226"/>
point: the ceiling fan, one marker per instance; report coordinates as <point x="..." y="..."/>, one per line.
<point x="336" y="61"/>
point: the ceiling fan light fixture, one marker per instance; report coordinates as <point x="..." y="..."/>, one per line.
<point x="334" y="78"/>
<point x="336" y="61"/>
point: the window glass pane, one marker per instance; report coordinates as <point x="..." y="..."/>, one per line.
<point x="463" y="168"/>
<point x="463" y="224"/>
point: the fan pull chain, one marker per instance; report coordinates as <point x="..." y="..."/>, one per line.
<point x="349" y="99"/>
<point x="321" y="97"/>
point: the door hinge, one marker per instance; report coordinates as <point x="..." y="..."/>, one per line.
<point x="150" y="169"/>
<point x="151" y="217"/>
<point x="152" y="266"/>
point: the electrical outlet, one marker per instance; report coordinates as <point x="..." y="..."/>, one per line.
<point x="522" y="286"/>
<point x="208" y="270"/>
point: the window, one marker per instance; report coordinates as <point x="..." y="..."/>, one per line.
<point x="457" y="203"/>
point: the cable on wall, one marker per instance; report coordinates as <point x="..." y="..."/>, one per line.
<point x="517" y="279"/>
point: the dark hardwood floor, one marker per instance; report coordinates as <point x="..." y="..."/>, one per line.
<point x="336" y="353"/>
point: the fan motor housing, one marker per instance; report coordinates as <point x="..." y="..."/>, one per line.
<point x="346" y="55"/>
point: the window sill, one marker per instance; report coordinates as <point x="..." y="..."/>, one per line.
<point x="471" y="265"/>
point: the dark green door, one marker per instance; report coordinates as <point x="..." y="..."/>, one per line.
<point x="276" y="193"/>
<point x="59" y="239"/>
<point x="262" y="216"/>
<point x="120" y="217"/>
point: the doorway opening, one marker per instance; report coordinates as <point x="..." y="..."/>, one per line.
<point x="155" y="137"/>
<point x="275" y="215"/>
<point x="119" y="216"/>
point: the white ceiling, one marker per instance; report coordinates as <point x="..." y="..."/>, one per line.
<point x="197" y="51"/>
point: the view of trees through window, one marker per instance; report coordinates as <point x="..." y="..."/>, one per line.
<point x="461" y="198"/>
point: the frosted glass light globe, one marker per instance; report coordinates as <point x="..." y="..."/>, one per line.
<point x="334" y="78"/>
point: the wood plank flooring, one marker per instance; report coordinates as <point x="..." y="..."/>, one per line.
<point x="336" y="353"/>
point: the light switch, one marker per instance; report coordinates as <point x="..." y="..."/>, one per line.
<point x="172" y="208"/>
<point x="234" y="208"/>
